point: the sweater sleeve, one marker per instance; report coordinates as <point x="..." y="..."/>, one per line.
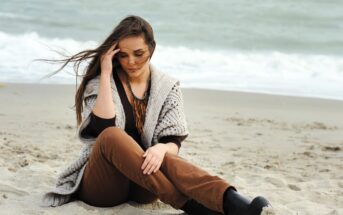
<point x="172" y="123"/>
<point x="172" y="138"/>
<point x="91" y="125"/>
<point x="97" y="125"/>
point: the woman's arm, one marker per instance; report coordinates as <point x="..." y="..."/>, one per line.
<point x="153" y="156"/>
<point x="172" y="148"/>
<point x="104" y="105"/>
<point x="96" y="126"/>
<point x="173" y="123"/>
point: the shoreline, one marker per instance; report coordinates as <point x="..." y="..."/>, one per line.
<point x="2" y="84"/>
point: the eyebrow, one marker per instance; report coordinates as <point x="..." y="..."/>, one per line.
<point x="137" y="50"/>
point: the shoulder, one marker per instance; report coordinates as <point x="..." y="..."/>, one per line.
<point x="163" y="79"/>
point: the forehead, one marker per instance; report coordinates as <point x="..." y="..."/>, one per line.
<point x="132" y="43"/>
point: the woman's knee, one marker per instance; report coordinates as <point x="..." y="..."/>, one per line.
<point x="111" y="132"/>
<point x="111" y="137"/>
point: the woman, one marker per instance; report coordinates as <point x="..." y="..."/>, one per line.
<point x="132" y="125"/>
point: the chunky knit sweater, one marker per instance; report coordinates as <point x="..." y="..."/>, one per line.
<point x="164" y="117"/>
<point x="98" y="124"/>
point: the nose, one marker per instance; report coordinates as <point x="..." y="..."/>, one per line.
<point x="131" y="60"/>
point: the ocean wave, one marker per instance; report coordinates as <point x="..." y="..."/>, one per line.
<point x="19" y="52"/>
<point x="268" y="72"/>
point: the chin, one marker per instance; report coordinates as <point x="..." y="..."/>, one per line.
<point x="134" y="73"/>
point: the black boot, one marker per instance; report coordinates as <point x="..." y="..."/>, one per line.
<point x="193" y="207"/>
<point x="235" y="204"/>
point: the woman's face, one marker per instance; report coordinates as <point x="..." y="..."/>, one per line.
<point x="134" y="55"/>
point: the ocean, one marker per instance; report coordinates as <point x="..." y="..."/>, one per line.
<point x="289" y="47"/>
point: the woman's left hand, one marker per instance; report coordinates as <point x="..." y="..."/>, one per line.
<point x="153" y="158"/>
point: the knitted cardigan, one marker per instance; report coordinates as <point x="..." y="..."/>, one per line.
<point x="164" y="116"/>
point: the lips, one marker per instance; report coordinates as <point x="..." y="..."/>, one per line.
<point x="132" y="69"/>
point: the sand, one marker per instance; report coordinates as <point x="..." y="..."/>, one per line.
<point x="288" y="149"/>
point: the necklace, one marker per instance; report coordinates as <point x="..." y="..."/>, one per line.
<point x="139" y="105"/>
<point x="145" y="95"/>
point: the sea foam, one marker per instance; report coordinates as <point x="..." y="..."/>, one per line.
<point x="252" y="71"/>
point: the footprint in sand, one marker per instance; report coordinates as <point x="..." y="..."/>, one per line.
<point x="275" y="181"/>
<point x="294" y="187"/>
<point x="331" y="148"/>
<point x="2" y="133"/>
<point x="7" y="189"/>
<point x="68" y="127"/>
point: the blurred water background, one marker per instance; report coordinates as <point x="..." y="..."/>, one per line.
<point x="289" y="47"/>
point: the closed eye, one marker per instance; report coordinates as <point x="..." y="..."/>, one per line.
<point x="139" y="53"/>
<point x="122" y="55"/>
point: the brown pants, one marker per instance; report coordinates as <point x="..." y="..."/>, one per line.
<point x="113" y="176"/>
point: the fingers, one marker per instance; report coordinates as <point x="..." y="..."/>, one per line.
<point x="146" y="161"/>
<point x="154" y="167"/>
<point x="158" y="166"/>
<point x="114" y="52"/>
<point x="112" y="48"/>
<point x="151" y="166"/>
<point x="111" y="51"/>
<point x="151" y="163"/>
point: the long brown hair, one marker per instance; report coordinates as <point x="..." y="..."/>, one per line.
<point x="129" y="26"/>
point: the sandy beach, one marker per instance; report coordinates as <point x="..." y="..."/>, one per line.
<point x="288" y="149"/>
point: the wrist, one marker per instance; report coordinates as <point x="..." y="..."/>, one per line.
<point x="164" y="146"/>
<point x="172" y="147"/>
<point x="105" y="74"/>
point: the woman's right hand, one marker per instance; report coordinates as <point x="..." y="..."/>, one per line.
<point x="106" y="60"/>
<point x="104" y="106"/>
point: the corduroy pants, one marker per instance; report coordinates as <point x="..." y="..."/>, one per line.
<point x="113" y="176"/>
